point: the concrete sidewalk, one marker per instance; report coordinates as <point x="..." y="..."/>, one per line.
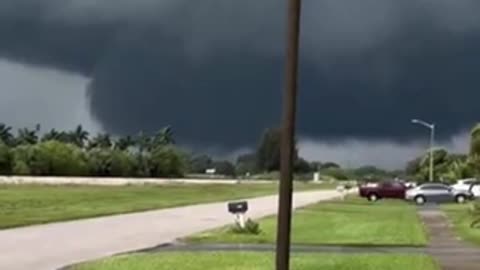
<point x="445" y="246"/>
<point x="115" y="181"/>
<point x="48" y="247"/>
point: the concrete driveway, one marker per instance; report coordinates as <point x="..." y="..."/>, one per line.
<point x="48" y="247"/>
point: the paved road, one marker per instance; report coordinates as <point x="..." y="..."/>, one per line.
<point x="48" y="247"/>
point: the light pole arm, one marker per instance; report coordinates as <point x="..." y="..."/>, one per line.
<point x="432" y="143"/>
<point x="423" y="123"/>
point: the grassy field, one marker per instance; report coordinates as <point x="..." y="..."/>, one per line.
<point x="22" y="205"/>
<point x="261" y="261"/>
<point x="354" y="222"/>
<point x="461" y="219"/>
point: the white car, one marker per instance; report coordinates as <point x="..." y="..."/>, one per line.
<point x="471" y="184"/>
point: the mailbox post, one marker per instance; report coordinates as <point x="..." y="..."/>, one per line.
<point x="342" y="190"/>
<point x="238" y="209"/>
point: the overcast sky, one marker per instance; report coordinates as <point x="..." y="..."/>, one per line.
<point x="31" y="95"/>
<point x="386" y="154"/>
<point x="58" y="99"/>
<point x="213" y="70"/>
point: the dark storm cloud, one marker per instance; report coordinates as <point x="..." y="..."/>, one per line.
<point x="213" y="69"/>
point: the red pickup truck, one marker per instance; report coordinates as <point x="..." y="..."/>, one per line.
<point x="376" y="191"/>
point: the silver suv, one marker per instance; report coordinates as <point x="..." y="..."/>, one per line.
<point x="438" y="193"/>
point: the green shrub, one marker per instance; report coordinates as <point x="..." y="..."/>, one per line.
<point x="5" y="159"/>
<point x="224" y="168"/>
<point x="166" y="161"/>
<point x="49" y="158"/>
<point x="251" y="227"/>
<point x="337" y="174"/>
<point x="475" y="211"/>
<point x="111" y="162"/>
<point x="59" y="159"/>
<point x="21" y="168"/>
<point x="22" y="156"/>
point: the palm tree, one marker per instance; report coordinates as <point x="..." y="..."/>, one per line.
<point x="164" y="137"/>
<point x="6" y="135"/>
<point x="27" y="136"/>
<point x="101" y="141"/>
<point x="475" y="140"/>
<point x="124" y="143"/>
<point x="52" y="135"/>
<point x="79" y="136"/>
<point x="60" y="136"/>
<point x="143" y="142"/>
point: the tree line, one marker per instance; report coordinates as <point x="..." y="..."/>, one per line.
<point x="265" y="159"/>
<point x="448" y="167"/>
<point x="75" y="153"/>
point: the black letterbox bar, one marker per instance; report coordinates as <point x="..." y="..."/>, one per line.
<point x="237" y="207"/>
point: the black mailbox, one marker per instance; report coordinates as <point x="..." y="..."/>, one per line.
<point x="238" y="207"/>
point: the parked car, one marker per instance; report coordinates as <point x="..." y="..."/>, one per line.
<point x="475" y="189"/>
<point x="470" y="184"/>
<point x="390" y="190"/>
<point x="410" y="184"/>
<point x="438" y="193"/>
<point x="464" y="184"/>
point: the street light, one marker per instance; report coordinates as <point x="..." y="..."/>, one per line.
<point x="288" y="136"/>
<point x="432" y="139"/>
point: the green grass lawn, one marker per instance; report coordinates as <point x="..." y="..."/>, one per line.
<point x="354" y="221"/>
<point x="261" y="261"/>
<point x="22" y="205"/>
<point x="461" y="219"/>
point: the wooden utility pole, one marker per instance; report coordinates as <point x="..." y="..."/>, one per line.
<point x="288" y="137"/>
